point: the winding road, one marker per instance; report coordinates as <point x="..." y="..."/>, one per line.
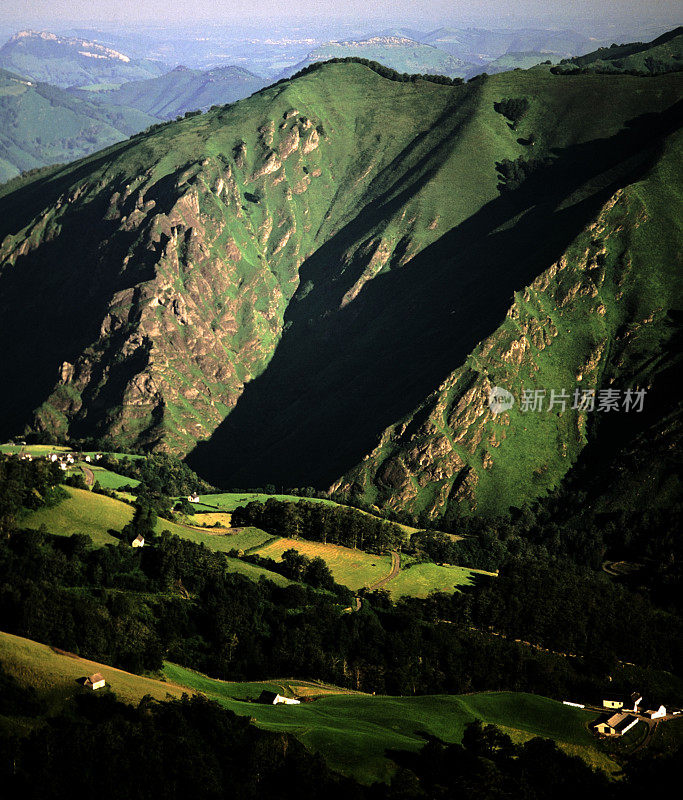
<point x="395" y="567"/>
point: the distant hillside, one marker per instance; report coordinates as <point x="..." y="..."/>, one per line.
<point x="663" y="54"/>
<point x="63" y="61"/>
<point x="483" y="46"/>
<point x="182" y="90"/>
<point x="510" y="61"/>
<point x="41" y="124"/>
<point x="397" y="52"/>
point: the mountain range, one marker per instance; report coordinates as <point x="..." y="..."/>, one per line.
<point x="42" y="122"/>
<point x="182" y="90"/>
<point x="71" y="61"/>
<point x="321" y="284"/>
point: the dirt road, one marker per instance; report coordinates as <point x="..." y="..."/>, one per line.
<point x="395" y="567"/>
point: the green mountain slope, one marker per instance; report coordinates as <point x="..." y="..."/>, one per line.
<point x="662" y="54"/>
<point x="41" y="124"/>
<point x="292" y="276"/>
<point x="68" y="61"/>
<point x="598" y="317"/>
<point x="182" y="90"/>
<point x="396" y="52"/>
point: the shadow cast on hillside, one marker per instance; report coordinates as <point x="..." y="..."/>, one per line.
<point x="54" y="300"/>
<point x="338" y="378"/>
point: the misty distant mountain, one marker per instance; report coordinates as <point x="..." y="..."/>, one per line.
<point x="481" y="46"/>
<point x="182" y="90"/>
<point x="397" y="52"/>
<point x="69" y="61"/>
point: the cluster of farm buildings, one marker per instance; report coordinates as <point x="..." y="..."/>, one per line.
<point x="623" y="712"/>
<point x="65" y="460"/>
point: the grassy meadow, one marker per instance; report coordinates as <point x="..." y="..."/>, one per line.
<point x="354" y="732"/>
<point x="102" y="518"/>
<point x="421" y="579"/>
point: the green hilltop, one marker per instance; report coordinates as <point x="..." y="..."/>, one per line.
<point x="325" y="280"/>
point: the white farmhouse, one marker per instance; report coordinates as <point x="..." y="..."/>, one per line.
<point x="274" y="699"/>
<point x="95" y="681"/>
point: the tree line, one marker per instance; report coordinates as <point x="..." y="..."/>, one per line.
<point x="321" y="522"/>
<point x="380" y="69"/>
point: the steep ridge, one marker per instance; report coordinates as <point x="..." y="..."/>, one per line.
<point x="185" y="246"/>
<point x="290" y="277"/>
<point x="602" y="316"/>
<point x="343" y="367"/>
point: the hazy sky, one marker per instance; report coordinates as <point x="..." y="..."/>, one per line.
<point x="493" y="12"/>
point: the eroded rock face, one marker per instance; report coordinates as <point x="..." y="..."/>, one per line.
<point x="181" y="335"/>
<point x="461" y="452"/>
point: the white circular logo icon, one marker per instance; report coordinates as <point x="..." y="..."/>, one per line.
<point x="500" y="400"/>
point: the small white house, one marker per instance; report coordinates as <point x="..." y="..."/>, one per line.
<point x="88" y="459"/>
<point x="139" y="541"/>
<point x="193" y="498"/>
<point x="95" y="681"/>
<point x="273" y="699"/>
<point x="655" y="713"/>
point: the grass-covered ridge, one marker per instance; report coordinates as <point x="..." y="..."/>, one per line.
<point x="300" y="274"/>
<point x="354" y="732"/>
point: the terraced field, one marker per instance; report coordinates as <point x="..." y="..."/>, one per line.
<point x="98" y="516"/>
<point x="101" y="517"/>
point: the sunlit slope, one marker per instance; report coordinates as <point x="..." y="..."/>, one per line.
<point x="355" y="733"/>
<point x="603" y="315"/>
<point x="365" y="347"/>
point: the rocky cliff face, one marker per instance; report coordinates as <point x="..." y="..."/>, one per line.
<point x="197" y="277"/>
<point x="587" y="324"/>
<point x="165" y="268"/>
<point x="288" y="278"/>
